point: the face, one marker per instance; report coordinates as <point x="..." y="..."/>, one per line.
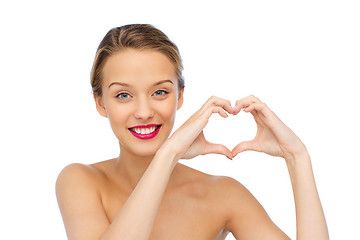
<point x="140" y="99"/>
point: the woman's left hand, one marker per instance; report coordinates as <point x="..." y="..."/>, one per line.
<point x="273" y="136"/>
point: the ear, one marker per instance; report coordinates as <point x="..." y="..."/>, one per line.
<point x="100" y="105"/>
<point x="180" y="99"/>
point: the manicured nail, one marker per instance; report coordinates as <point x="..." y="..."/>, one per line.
<point x="233" y="110"/>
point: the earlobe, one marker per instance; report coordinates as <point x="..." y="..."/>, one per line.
<point x="100" y="105"/>
<point x="180" y="99"/>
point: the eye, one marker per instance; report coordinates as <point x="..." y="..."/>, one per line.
<point x="123" y="95"/>
<point x="160" y="93"/>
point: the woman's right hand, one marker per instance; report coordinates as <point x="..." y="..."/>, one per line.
<point x="189" y="141"/>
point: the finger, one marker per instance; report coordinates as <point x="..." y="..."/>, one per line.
<point x="220" y="111"/>
<point x="245" y="102"/>
<point x="220" y="102"/>
<point x="213" y="105"/>
<point x="218" y="149"/>
<point x="250" y="98"/>
<point x="254" y="106"/>
<point x="213" y="109"/>
<point x="245" y="146"/>
<point x="259" y="111"/>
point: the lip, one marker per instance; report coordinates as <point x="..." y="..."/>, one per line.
<point x="146" y="136"/>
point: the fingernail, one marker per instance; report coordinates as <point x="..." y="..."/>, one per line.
<point x="233" y="108"/>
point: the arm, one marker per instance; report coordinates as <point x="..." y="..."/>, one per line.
<point x="81" y="206"/>
<point x="310" y="219"/>
<point x="136" y="218"/>
<point x="275" y="138"/>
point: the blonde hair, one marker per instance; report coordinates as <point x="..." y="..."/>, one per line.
<point x="136" y="36"/>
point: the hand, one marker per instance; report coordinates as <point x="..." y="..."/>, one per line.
<point x="189" y="140"/>
<point x="273" y="136"/>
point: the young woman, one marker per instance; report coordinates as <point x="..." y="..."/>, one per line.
<point x="144" y="193"/>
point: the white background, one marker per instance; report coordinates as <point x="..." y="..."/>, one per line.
<point x="300" y="57"/>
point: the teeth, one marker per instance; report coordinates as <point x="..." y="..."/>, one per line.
<point x="144" y="131"/>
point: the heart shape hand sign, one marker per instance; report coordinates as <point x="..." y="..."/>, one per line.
<point x="232" y="130"/>
<point x="272" y="137"/>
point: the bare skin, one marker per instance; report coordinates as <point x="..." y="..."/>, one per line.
<point x="191" y="208"/>
<point x="146" y="194"/>
<point x="195" y="206"/>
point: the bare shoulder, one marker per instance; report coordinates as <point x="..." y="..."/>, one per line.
<point x="216" y="183"/>
<point x="74" y="169"/>
<point x="222" y="189"/>
<point x="235" y="198"/>
<point x="232" y="190"/>
<point x="80" y="180"/>
<point x="79" y="199"/>
<point x="243" y="213"/>
<point x="232" y="201"/>
<point x="226" y="184"/>
<point x="75" y="172"/>
<point x="76" y="179"/>
<point x="92" y="173"/>
<point x="228" y="200"/>
<point x="229" y="194"/>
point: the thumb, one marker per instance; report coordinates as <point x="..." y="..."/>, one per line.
<point x="245" y="146"/>
<point x="217" y="149"/>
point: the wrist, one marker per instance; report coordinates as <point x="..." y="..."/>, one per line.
<point x="298" y="159"/>
<point x="165" y="152"/>
<point x="298" y="152"/>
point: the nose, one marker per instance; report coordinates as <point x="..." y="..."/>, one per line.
<point x="143" y="110"/>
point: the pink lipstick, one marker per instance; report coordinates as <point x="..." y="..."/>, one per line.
<point x="145" y="131"/>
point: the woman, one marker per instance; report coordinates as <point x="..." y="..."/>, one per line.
<point x="145" y="193"/>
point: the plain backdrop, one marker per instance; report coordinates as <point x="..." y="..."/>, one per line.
<point x="302" y="58"/>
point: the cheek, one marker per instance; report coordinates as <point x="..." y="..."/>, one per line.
<point x="118" y="114"/>
<point x="167" y="109"/>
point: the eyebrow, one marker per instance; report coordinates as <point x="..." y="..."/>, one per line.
<point x="119" y="83"/>
<point x="127" y="85"/>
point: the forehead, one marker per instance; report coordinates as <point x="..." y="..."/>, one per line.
<point x="138" y="66"/>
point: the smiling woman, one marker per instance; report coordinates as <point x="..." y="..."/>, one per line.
<point x="139" y="90"/>
<point x="144" y="193"/>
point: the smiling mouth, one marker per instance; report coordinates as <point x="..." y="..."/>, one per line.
<point x="145" y="131"/>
